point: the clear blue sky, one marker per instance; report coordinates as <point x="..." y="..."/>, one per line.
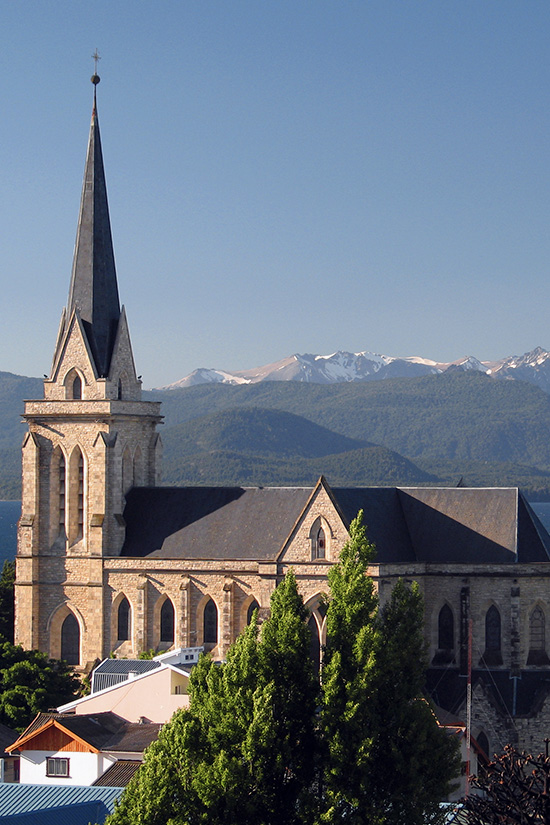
<point x="284" y="176"/>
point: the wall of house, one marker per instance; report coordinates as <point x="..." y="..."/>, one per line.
<point x="152" y="697"/>
<point x="84" y="768"/>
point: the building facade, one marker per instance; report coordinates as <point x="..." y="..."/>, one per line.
<point x="110" y="562"/>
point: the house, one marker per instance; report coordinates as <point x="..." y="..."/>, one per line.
<point x="78" y="749"/>
<point x="148" y="690"/>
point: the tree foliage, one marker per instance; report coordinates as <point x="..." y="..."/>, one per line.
<point x="515" y="790"/>
<point x="263" y="742"/>
<point x="243" y="751"/>
<point x="30" y="683"/>
<point x="386" y="760"/>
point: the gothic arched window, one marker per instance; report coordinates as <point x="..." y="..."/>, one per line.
<point x="77" y="388"/>
<point x="123" y="620"/>
<point x="251" y="608"/>
<point x="492" y="655"/>
<point x="167" y="621"/>
<point x="446" y="635"/>
<point x="210" y="623"/>
<point x="320" y="544"/>
<point x="315" y="642"/>
<point x="492" y="629"/>
<point x="537" y="638"/>
<point x="70" y="640"/>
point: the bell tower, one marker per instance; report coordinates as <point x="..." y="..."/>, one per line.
<point x="89" y="441"/>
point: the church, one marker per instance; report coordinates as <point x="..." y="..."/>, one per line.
<point x="111" y="562"/>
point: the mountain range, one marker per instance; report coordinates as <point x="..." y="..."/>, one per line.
<point x="341" y="366"/>
<point x="456" y="421"/>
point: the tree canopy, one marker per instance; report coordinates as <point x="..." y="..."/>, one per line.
<point x="264" y="741"/>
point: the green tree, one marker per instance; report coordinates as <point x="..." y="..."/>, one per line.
<point x="347" y="718"/>
<point x="415" y="759"/>
<point x="30" y="683"/>
<point x="244" y="750"/>
<point x="386" y="760"/>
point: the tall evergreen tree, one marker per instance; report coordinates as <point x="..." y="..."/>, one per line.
<point x="347" y="720"/>
<point x="244" y="750"/>
<point x="386" y="760"/>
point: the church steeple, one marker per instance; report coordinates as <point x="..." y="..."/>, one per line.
<point x="93" y="290"/>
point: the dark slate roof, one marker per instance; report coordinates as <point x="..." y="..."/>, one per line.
<point x="119" y="774"/>
<point x="56" y="804"/>
<point x="448" y="524"/>
<point x="440" y="525"/>
<point x="211" y="522"/>
<point x="105" y="731"/>
<point x="133" y="737"/>
<point x="93" y="290"/>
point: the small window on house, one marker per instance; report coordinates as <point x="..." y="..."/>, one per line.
<point x="57" y="767"/>
<point x="167" y="618"/>
<point x="251" y="608"/>
<point x="77" y="388"/>
<point x="210" y="623"/>
<point x="123" y="620"/>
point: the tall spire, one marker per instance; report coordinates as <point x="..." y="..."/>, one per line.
<point x="93" y="290"/>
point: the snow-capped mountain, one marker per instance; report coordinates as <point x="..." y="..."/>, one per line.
<point x="342" y="366"/>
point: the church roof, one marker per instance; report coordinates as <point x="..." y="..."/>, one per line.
<point x="445" y="525"/>
<point x="93" y="290"/>
<point x="211" y="522"/>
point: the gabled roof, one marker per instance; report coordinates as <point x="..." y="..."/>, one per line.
<point x="98" y="731"/>
<point x="56" y="805"/>
<point x="211" y="522"/>
<point x="440" y="525"/>
<point x="93" y="290"/>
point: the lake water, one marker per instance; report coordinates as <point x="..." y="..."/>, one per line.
<point x="11" y="510"/>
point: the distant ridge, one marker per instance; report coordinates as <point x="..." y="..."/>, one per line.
<point x="341" y="367"/>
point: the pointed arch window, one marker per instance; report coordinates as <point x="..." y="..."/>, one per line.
<point x="251" y="608"/>
<point x="119" y="389"/>
<point x="123" y="620"/>
<point x="76" y="496"/>
<point x="445" y="629"/>
<point x="167" y="622"/>
<point x="537" y="638"/>
<point x="70" y="640"/>
<point x="319" y="550"/>
<point x="492" y="655"/>
<point x="77" y="388"/>
<point x="315" y="642"/>
<point x="210" y="623"/>
<point x="61" y="494"/>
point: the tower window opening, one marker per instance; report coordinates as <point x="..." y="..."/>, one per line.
<point x="61" y="507"/>
<point x="80" y="496"/>
<point x="77" y="388"/>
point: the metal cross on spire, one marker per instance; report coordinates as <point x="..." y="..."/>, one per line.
<point x="96" y="57"/>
